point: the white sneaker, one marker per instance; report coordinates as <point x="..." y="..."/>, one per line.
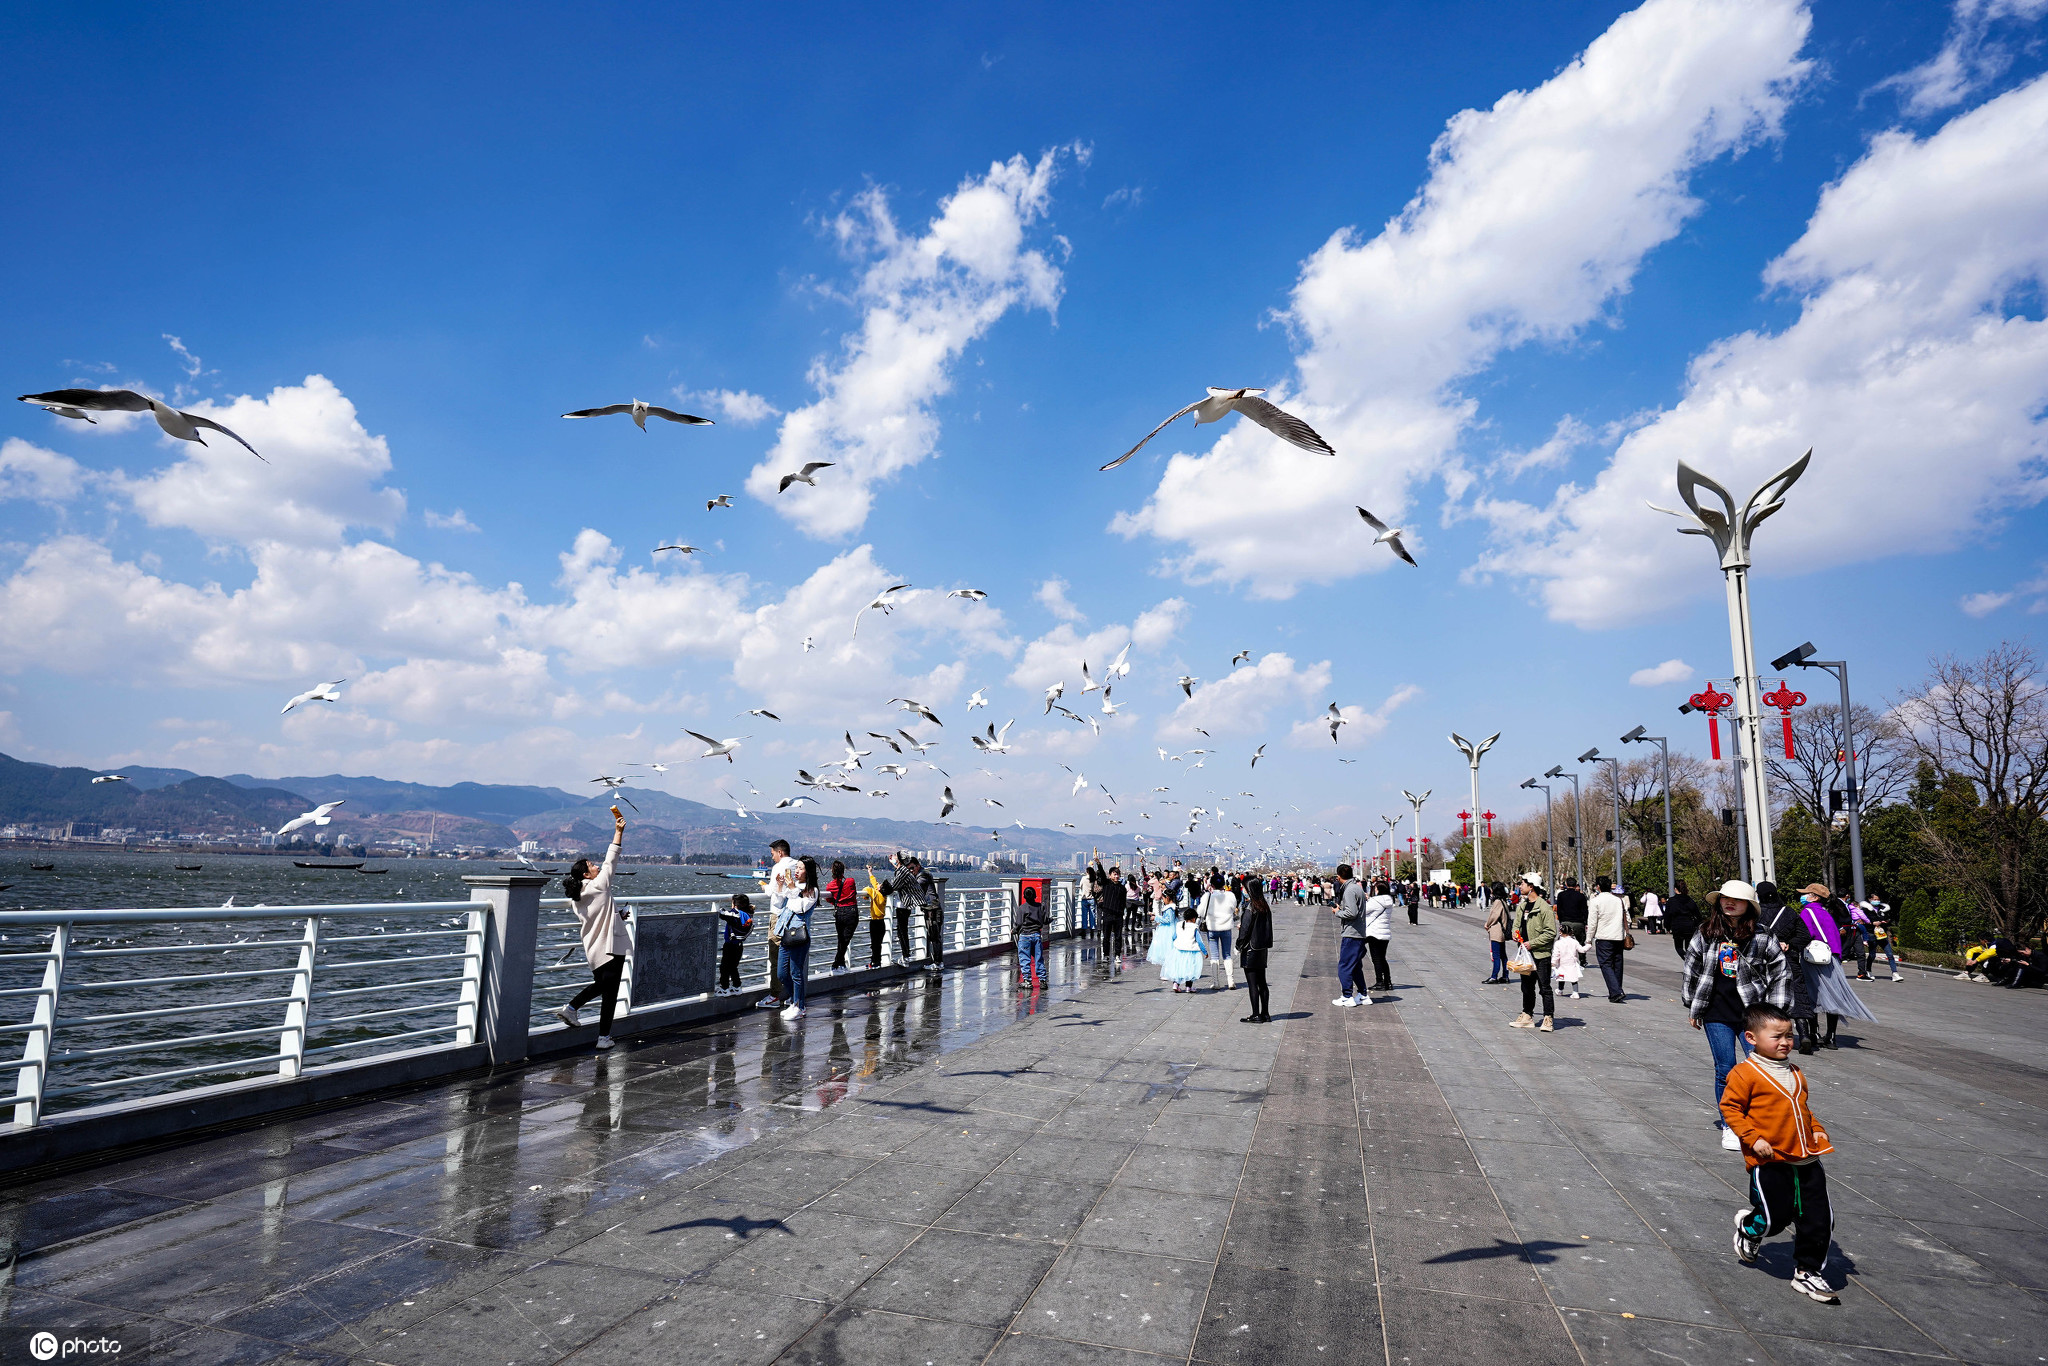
<point x="1814" y="1287"/>
<point x="839" y="972"/>
<point x="1366" y="999"/>
<point x="793" y="1013"/>
<point x="1897" y="978"/>
<point x="604" y="1043"/>
<point x="1730" y="1141"/>
<point x="1343" y="1001"/>
<point x="568" y="1016"/>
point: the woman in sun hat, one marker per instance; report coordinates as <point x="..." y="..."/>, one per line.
<point x="1730" y="967"/>
<point x="1822" y="964"/>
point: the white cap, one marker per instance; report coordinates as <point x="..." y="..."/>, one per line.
<point x="1739" y="891"/>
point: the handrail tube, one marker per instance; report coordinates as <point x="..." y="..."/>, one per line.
<point x="229" y="1064"/>
<point x="70" y="1021"/>
<point x="324" y="1021"/>
<point x="383" y="938"/>
<point x="70" y="987"/>
<point x="333" y="965"/>
<point x="383" y="986"/>
<point x="189" y="948"/>
<point x="157" y="1045"/>
<point x="381" y="1038"/>
<point x="185" y="913"/>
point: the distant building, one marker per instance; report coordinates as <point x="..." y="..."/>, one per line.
<point x="81" y="830"/>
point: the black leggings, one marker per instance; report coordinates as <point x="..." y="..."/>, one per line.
<point x="845" y="922"/>
<point x="1380" y="980"/>
<point x="604" y="981"/>
<point x="729" y="964"/>
<point x="1254" y="961"/>
<point x="878" y="930"/>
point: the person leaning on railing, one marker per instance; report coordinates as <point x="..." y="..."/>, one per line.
<point x="603" y="928"/>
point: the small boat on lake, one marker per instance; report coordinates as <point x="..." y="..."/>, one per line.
<point x="373" y="872"/>
<point x="186" y="867"/>
<point x="42" y="867"/>
<point x="327" y="867"/>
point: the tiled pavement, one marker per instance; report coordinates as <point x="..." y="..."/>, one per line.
<point x="1125" y="1176"/>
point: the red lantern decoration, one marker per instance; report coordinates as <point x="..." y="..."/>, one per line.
<point x="1464" y="825"/>
<point x="1487" y="816"/>
<point x="1784" y="699"/>
<point x="1711" y="703"/>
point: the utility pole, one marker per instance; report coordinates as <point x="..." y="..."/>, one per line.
<point x="1636" y="737"/>
<point x="1578" y="831"/>
<point x="1593" y="756"/>
<point x="1853" y="774"/>
<point x="1550" y="834"/>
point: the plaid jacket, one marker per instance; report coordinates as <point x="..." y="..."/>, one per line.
<point x="1762" y="974"/>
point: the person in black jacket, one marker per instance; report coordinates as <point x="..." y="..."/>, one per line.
<point x="1571" y="910"/>
<point x="1032" y="923"/>
<point x="1112" y="904"/>
<point x="1682" y="914"/>
<point x="1782" y="923"/>
<point x="1254" y="942"/>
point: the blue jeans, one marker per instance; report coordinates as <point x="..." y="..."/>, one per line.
<point x="1219" y="944"/>
<point x="1724" y="1040"/>
<point x="794" y="966"/>
<point x="1500" y="958"/>
<point x="1087" y="912"/>
<point x="1031" y="956"/>
<point x="1351" y="967"/>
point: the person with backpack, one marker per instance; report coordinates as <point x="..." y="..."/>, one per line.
<point x="1682" y="914"/>
<point x="735" y="923"/>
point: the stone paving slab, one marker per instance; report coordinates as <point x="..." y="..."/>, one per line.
<point x="1109" y="1175"/>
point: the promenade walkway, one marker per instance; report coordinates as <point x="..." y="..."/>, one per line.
<point x="1125" y="1176"/>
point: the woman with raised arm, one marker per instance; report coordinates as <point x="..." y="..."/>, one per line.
<point x="603" y="929"/>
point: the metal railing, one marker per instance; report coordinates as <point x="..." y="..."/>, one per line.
<point x="304" y="987"/>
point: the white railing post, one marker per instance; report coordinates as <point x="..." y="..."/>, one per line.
<point x="512" y="901"/>
<point x="298" y="1011"/>
<point x="625" y="1005"/>
<point x="33" y="1078"/>
<point x="469" y="1001"/>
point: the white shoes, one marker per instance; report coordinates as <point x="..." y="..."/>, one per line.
<point x="1811" y="1285"/>
<point x="604" y="1043"/>
<point x="1897" y="978"/>
<point x="1343" y="1001"/>
<point x="1730" y="1141"/>
<point x="839" y="972"/>
<point x="793" y="1013"/>
<point x="568" y="1016"/>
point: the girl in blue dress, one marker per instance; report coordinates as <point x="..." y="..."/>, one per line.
<point x="1163" y="917"/>
<point x="1182" y="965"/>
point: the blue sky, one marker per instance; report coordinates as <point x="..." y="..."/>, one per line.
<point x="972" y="257"/>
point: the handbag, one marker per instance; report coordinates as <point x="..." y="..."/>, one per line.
<point x="1628" y="941"/>
<point x="1817" y="952"/>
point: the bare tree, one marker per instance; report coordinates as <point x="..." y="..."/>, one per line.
<point x="1823" y="758"/>
<point x="1986" y="720"/>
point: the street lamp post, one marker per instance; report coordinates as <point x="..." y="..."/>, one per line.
<point x="1390" y="825"/>
<point x="1853" y="792"/>
<point x="1636" y="736"/>
<point x="1417" y="802"/>
<point x="1549" y="834"/>
<point x="1578" y="825"/>
<point x="1730" y="529"/>
<point x="1473" y="753"/>
<point x="1594" y="756"/>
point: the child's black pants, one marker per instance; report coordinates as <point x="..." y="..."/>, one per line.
<point x="1782" y="1194"/>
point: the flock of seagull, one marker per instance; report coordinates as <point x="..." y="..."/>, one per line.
<point x="81" y="404"/>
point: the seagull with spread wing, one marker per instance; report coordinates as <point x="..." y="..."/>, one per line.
<point x="723" y="500"/>
<point x="319" y="815"/>
<point x="719" y="749"/>
<point x="1187" y="684"/>
<point x="1256" y="757"/>
<point x="77" y="403"/>
<point x="921" y="709"/>
<point x="804" y="475"/>
<point x="612" y="785"/>
<point x="1222" y="402"/>
<point x="326" y="692"/>
<point x="640" y="413"/>
<point x="1388" y="536"/>
<point x="685" y="549"/>
<point x="996" y="743"/>
<point x="1335" y="718"/>
<point x="946" y="809"/>
<point x="971" y="594"/>
<point x="979" y="699"/>
<point x="880" y="604"/>
<point x="1242" y="656"/>
<point x="1053" y="694"/>
<point x="111" y="778"/>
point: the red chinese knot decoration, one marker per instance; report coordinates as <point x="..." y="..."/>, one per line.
<point x="1711" y="703"/>
<point x="1464" y="825"/>
<point x="1784" y="699"/>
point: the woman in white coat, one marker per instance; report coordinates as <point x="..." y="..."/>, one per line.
<point x="1218" y="914"/>
<point x="605" y="944"/>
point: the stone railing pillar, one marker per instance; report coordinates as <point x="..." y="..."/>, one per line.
<point x="513" y="925"/>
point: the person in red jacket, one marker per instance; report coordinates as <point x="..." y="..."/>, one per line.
<point x="840" y="895"/>
<point x="1765" y="1106"/>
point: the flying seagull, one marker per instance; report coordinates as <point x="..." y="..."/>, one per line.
<point x="111" y="778"/>
<point x="788" y="802"/>
<point x="1222" y="402"/>
<point x="922" y="710"/>
<point x="919" y="745"/>
<point x="319" y="815"/>
<point x="996" y="743"/>
<point x="808" y="645"/>
<point x="719" y="748"/>
<point x="761" y="711"/>
<point x="641" y="412"/>
<point x="1088" y="683"/>
<point x="990" y="801"/>
<point x="1391" y="536"/>
<point x="971" y="594"/>
<point x="1080" y="784"/>
<point x="1053" y="694"/>
<point x="1336" y="719"/>
<point x="326" y="692"/>
<point x="1187" y="684"/>
<point x="686" y="549"/>
<point x="1239" y="658"/>
<point x="1120" y="667"/>
<point x="803" y="476"/>
<point x="79" y="402"/>
<point x="880" y="604"/>
<point x="980" y="699"/>
<point x="658" y="768"/>
<point x="612" y="785"/>
<point x="888" y="740"/>
<point x="1260" y="755"/>
<point x="947" y="809"/>
<point x="723" y="500"/>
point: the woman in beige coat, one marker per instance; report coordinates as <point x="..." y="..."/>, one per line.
<point x="605" y="942"/>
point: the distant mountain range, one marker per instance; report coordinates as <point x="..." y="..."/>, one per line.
<point x="379" y="810"/>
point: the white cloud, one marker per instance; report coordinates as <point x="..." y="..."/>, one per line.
<point x="925" y="300"/>
<point x="733" y="405"/>
<point x="1969" y="57"/>
<point x="322" y="477"/>
<point x="1658" y="675"/>
<point x="1239" y="702"/>
<point x="1360" y="725"/>
<point x="1984" y="604"/>
<point x="31" y="472"/>
<point x="1535" y="217"/>
<point x="1569" y="435"/>
<point x="1920" y="389"/>
<point x="1053" y="594"/>
<point x="457" y="520"/>
<point x="1056" y="656"/>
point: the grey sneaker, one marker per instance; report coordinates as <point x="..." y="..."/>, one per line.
<point x="604" y="1043"/>
<point x="1745" y="1246"/>
<point x="568" y="1016"/>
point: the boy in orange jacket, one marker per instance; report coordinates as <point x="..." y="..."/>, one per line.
<point x="1765" y="1106"/>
